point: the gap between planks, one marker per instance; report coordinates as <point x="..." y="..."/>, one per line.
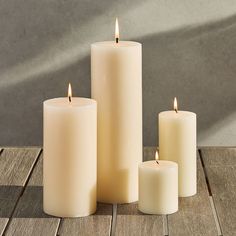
<point x="114" y="209"/>
<point x="59" y="226"/>
<point x="213" y="208"/>
<point x="165" y="225"/>
<point x="219" y="232"/>
<point x="22" y="191"/>
<point x="113" y="220"/>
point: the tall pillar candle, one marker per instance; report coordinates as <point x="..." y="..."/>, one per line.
<point x="69" y="157"/>
<point x="117" y="87"/>
<point x="177" y="142"/>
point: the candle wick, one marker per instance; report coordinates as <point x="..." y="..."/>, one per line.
<point x="117" y="40"/>
<point x="157" y="162"/>
<point x="69" y="98"/>
<point x="176" y="110"/>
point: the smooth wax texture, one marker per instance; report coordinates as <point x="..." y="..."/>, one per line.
<point x="177" y="142"/>
<point x="158" y="187"/>
<point x="117" y="87"/>
<point x="69" y="157"/>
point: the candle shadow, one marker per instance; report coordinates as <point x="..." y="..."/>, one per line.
<point x="196" y="64"/>
<point x="116" y="188"/>
<point x="30" y="204"/>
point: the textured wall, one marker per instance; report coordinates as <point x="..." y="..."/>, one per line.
<point x="189" y="51"/>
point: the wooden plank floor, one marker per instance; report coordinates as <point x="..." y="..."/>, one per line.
<point x="220" y="167"/>
<point x="211" y="212"/>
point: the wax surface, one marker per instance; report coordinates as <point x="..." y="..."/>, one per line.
<point x="117" y="87"/>
<point x="69" y="161"/>
<point x="177" y="142"/>
<point x="158" y="187"/>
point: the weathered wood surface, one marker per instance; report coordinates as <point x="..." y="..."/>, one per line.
<point x="15" y="167"/>
<point x="31" y="227"/>
<point x="98" y="224"/>
<point x="21" y="211"/>
<point x="130" y="221"/>
<point x="16" y="164"/>
<point x="220" y="165"/>
<point x="195" y="216"/>
<point x="29" y="218"/>
<point x="3" y="223"/>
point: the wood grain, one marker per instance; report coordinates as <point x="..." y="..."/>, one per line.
<point x="30" y="204"/>
<point x="3" y="223"/>
<point x="220" y="165"/>
<point x="29" y="218"/>
<point x="98" y="224"/>
<point x="15" y="167"/>
<point x="32" y="226"/>
<point x="130" y="221"/>
<point x="16" y="164"/>
<point x="195" y="216"/>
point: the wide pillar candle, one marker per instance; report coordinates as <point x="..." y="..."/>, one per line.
<point x="158" y="187"/>
<point x="69" y="157"/>
<point x="117" y="87"/>
<point x="177" y="142"/>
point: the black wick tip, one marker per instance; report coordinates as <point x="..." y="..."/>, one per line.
<point x="157" y="162"/>
<point x="69" y="98"/>
<point x="117" y="40"/>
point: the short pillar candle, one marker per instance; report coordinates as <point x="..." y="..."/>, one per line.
<point x="158" y="187"/>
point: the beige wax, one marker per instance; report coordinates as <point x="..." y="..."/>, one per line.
<point x="69" y="157"/>
<point x="117" y="87"/>
<point x="158" y="187"/>
<point x="177" y="142"/>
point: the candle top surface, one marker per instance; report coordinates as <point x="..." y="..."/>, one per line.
<point x="77" y="102"/>
<point x="179" y="114"/>
<point x="162" y="164"/>
<point x="113" y="44"/>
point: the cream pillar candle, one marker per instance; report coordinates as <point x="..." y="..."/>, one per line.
<point x="177" y="142"/>
<point x="117" y="87"/>
<point x="158" y="187"/>
<point x="69" y="157"/>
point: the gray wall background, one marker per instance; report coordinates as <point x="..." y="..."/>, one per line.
<point x="189" y="51"/>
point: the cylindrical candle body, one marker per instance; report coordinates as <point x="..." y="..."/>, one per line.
<point x="177" y="142"/>
<point x="117" y="87"/>
<point x="69" y="157"/>
<point x="158" y="187"/>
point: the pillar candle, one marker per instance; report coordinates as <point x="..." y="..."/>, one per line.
<point x="69" y="157"/>
<point x="177" y="142"/>
<point x="158" y="187"/>
<point x="116" y="70"/>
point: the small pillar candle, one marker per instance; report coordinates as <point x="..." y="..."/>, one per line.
<point x="69" y="157"/>
<point x="158" y="187"/>
<point x="177" y="142"/>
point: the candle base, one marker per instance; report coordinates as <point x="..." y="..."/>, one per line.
<point x="158" y="212"/>
<point x="117" y="202"/>
<point x="187" y="194"/>
<point x="68" y="215"/>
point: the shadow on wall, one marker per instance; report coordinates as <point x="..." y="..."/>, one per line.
<point x="195" y="64"/>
